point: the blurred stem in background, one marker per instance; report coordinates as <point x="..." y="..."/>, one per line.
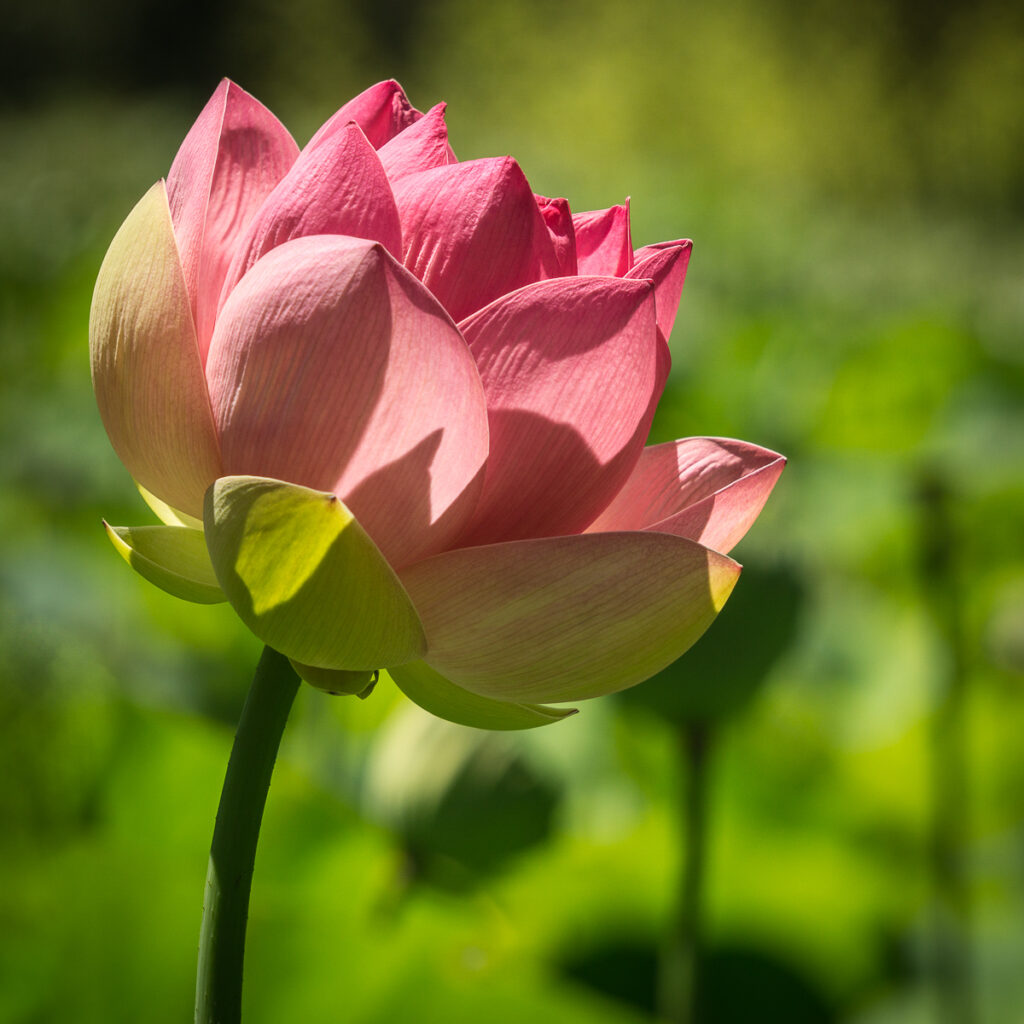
<point x="680" y="978"/>
<point x="697" y="696"/>
<point x="233" y="851"/>
<point x="950" y="953"/>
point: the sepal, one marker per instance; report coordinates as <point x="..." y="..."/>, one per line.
<point x="173" y="558"/>
<point x="337" y="682"/>
<point x="306" y="578"/>
<point x="441" y="697"/>
<point x="166" y="514"/>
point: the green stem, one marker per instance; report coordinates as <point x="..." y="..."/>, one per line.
<point x="233" y="851"/>
<point x="952" y="965"/>
<point x="681" y="963"/>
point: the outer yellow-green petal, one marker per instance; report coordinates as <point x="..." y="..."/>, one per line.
<point x="173" y="558"/>
<point x="166" y="514"/>
<point x="428" y="688"/>
<point x="306" y="578"/>
<point x="146" y="370"/>
<point x="337" y="681"/>
<point x="566" y="618"/>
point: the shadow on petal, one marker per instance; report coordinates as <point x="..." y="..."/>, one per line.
<point x="395" y="504"/>
<point x="549" y="481"/>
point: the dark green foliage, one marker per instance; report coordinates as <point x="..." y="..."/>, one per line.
<point x="725" y="669"/>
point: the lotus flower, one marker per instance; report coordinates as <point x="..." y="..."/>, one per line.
<point x="393" y="407"/>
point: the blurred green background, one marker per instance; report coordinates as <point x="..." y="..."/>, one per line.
<point x="853" y="179"/>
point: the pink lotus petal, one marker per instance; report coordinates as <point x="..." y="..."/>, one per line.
<point x="382" y="111"/>
<point x="664" y="364"/>
<point x="570" y="368"/>
<point x="665" y="265"/>
<point x="337" y="187"/>
<point x="145" y="363"/>
<point x="709" y="489"/>
<point x="603" y="244"/>
<point x="662" y="368"/>
<point x="420" y="147"/>
<point x="565" y="618"/>
<point x="558" y="218"/>
<point x="332" y="367"/>
<point x="231" y="159"/>
<point x="472" y="232"/>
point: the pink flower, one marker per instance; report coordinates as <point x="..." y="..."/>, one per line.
<point x="393" y="406"/>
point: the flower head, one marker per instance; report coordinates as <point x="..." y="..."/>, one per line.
<point x="393" y="407"/>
